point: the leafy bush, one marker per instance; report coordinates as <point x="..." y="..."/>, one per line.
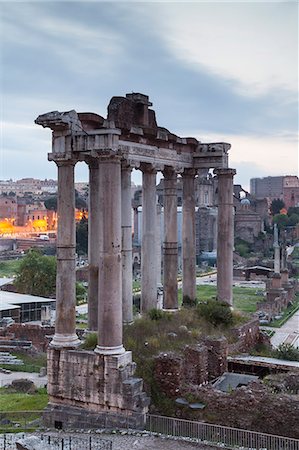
<point x="90" y="342"/>
<point x="189" y="302"/>
<point x="287" y="351"/>
<point x="216" y="312"/>
<point x="156" y="314"/>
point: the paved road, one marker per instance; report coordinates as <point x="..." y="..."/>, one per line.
<point x="147" y="442"/>
<point x="288" y="333"/>
<point x="37" y="380"/>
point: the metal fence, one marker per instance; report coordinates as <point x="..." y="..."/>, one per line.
<point x="216" y="434"/>
<point x="87" y="442"/>
<point x="168" y="426"/>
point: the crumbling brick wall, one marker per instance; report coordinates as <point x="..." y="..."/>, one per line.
<point x="37" y="334"/>
<point x="253" y="407"/>
<point x="195" y="366"/>
<point x="246" y="336"/>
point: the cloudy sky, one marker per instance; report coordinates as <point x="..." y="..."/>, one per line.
<point x="219" y="71"/>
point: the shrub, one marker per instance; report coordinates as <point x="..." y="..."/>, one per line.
<point x="287" y="351"/>
<point x="90" y="342"/>
<point x="189" y="302"/>
<point x="216" y="312"/>
<point x="156" y="314"/>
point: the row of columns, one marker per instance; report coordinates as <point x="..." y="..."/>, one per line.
<point x="110" y="247"/>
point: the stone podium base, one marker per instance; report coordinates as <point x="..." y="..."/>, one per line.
<point x="87" y="390"/>
<point x="71" y="418"/>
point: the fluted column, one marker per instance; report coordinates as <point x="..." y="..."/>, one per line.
<point x="148" y="249"/>
<point x="65" y="320"/>
<point x="170" y="247"/>
<point x="110" y="270"/>
<point x="188" y="237"/>
<point x="93" y="243"/>
<point x="126" y="252"/>
<point x="225" y="241"/>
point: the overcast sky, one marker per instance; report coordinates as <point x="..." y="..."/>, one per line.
<point x="219" y="71"/>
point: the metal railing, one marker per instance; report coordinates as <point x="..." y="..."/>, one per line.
<point x="28" y="421"/>
<point x="216" y="434"/>
<point x="87" y="442"/>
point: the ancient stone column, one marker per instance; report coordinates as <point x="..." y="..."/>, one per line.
<point x="170" y="246"/>
<point x="93" y="243"/>
<point x="225" y="242"/>
<point x="148" y="249"/>
<point x="126" y="249"/>
<point x="110" y="269"/>
<point x="158" y="244"/>
<point x="276" y="250"/>
<point x="65" y="320"/>
<point x="188" y="237"/>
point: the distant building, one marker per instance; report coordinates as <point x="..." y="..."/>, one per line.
<point x="291" y="191"/>
<point x="268" y="187"/>
<point x="27" y="186"/>
<point x="284" y="187"/>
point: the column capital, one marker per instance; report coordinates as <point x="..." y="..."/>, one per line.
<point x="225" y="172"/>
<point x="189" y="173"/>
<point x="64" y="162"/>
<point x="92" y="162"/>
<point x="129" y="165"/>
<point x="150" y="168"/>
<point x="169" y="172"/>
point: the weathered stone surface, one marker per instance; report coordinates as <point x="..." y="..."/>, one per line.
<point x="23" y="385"/>
<point x="31" y="443"/>
<point x="93" y="382"/>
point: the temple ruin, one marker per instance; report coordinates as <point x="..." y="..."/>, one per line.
<point x="103" y="381"/>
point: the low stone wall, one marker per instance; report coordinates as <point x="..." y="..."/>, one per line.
<point x="246" y="337"/>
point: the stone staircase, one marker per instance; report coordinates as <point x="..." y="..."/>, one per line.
<point x="7" y="358"/>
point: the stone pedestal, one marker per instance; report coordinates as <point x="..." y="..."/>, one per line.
<point x="65" y="321"/>
<point x="188" y="237"/>
<point x="225" y="242"/>
<point x="85" y="388"/>
<point x="148" y="249"/>
<point x="276" y="281"/>
<point x="93" y="243"/>
<point x="126" y="248"/>
<point x="170" y="247"/>
<point x="110" y="270"/>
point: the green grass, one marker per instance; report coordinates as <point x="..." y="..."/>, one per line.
<point x="21" y="409"/>
<point x="136" y="286"/>
<point x="10" y="401"/>
<point x="9" y="267"/>
<point x="244" y="298"/>
<point x="32" y="363"/>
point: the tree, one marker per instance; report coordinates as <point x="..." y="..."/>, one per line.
<point x="281" y="220"/>
<point x="51" y="203"/>
<point x="82" y="236"/>
<point x="276" y="205"/>
<point x="293" y="219"/>
<point x="36" y="274"/>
